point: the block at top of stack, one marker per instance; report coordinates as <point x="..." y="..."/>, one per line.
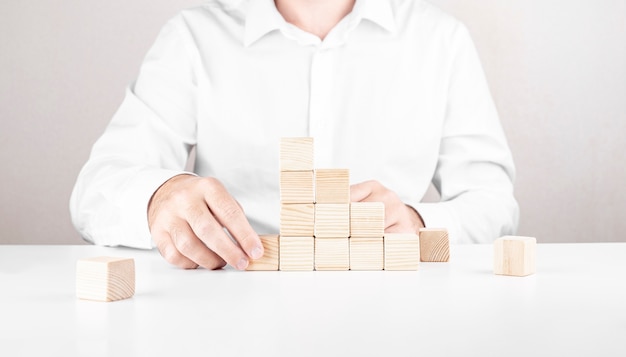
<point x="296" y="154"/>
<point x="332" y="186"/>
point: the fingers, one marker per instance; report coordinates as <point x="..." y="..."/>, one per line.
<point x="229" y="214"/>
<point x="188" y="244"/>
<point x="187" y="216"/>
<point x="210" y="232"/>
<point x="185" y="250"/>
<point x="169" y="252"/>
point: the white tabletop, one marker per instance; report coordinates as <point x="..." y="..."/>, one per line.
<point x="575" y="305"/>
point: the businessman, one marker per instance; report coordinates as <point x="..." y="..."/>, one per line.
<point x="392" y="89"/>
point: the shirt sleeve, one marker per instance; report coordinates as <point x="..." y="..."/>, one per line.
<point x="147" y="142"/>
<point x="475" y="170"/>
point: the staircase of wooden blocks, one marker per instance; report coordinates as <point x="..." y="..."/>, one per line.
<point x="320" y="229"/>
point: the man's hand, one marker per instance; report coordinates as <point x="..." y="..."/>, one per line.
<point x="399" y="217"/>
<point x="187" y="216"/>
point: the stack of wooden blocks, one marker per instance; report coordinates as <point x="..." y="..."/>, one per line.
<point x="320" y="229"/>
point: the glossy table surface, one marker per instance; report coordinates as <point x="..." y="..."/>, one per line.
<point x="575" y="305"/>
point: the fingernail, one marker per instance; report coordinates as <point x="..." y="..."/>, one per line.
<point x="243" y="264"/>
<point x="256" y="253"/>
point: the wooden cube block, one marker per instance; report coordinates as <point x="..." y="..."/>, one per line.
<point x="105" y="278"/>
<point x="402" y="251"/>
<point x="367" y="219"/>
<point x="332" y="220"/>
<point x="297" y="219"/>
<point x="514" y="255"/>
<point x="296" y="253"/>
<point x="296" y="154"/>
<point x="366" y="253"/>
<point x="434" y="245"/>
<point x="332" y="254"/>
<point x="297" y="187"/>
<point x="332" y="186"/>
<point x="269" y="260"/>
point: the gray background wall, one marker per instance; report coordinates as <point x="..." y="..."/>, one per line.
<point x="557" y="70"/>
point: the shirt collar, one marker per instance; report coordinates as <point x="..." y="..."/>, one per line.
<point x="377" y="11"/>
<point x="262" y="17"/>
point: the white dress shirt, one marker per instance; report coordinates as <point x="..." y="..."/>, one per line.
<point x="395" y="93"/>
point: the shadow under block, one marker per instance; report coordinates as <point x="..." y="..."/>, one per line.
<point x="332" y="254"/>
<point x="297" y="219"/>
<point x="514" y="255"/>
<point x="296" y="154"/>
<point x="366" y="253"/>
<point x="296" y="253"/>
<point x="402" y="251"/>
<point x="269" y="260"/>
<point x="332" y="220"/>
<point x="332" y="186"/>
<point x="367" y="219"/>
<point x="105" y="278"/>
<point x="434" y="245"/>
<point x="297" y="187"/>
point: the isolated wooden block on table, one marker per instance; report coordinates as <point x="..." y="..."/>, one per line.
<point x="296" y="154"/>
<point x="297" y="187"/>
<point x="366" y="253"/>
<point x="332" y="254"/>
<point x="269" y="260"/>
<point x="297" y="219"/>
<point x="434" y="245"/>
<point x="105" y="278"/>
<point x="514" y="255"/>
<point x="367" y="219"/>
<point x="332" y="186"/>
<point x="296" y="253"/>
<point x="332" y="220"/>
<point x="402" y="251"/>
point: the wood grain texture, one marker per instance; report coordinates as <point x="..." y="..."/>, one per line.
<point x="332" y="186"/>
<point x="366" y="254"/>
<point x="269" y="260"/>
<point x="297" y="187"/>
<point x="296" y="154"/>
<point x="296" y="253"/>
<point x="332" y="220"/>
<point x="434" y="245"/>
<point x="514" y="255"/>
<point x="297" y="219"/>
<point x="402" y="251"/>
<point x="367" y="219"/>
<point x="105" y="278"/>
<point x="332" y="254"/>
